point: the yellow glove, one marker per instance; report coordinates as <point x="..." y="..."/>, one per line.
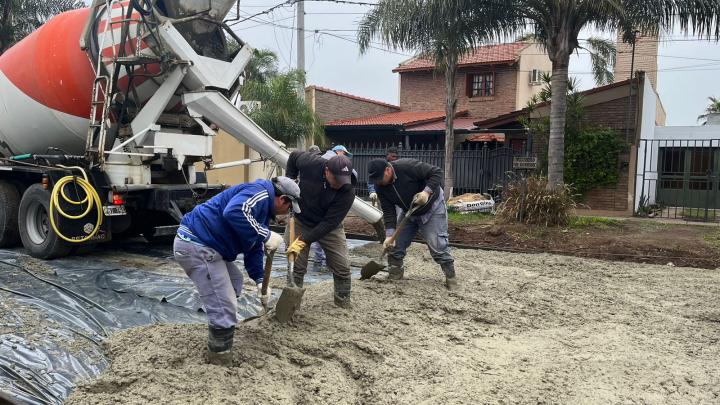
<point x="295" y="248"/>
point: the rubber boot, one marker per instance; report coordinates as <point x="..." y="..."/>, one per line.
<point x="299" y="279"/>
<point x="220" y="341"/>
<point x="342" y="291"/>
<point x="396" y="271"/>
<point x="450" y="280"/>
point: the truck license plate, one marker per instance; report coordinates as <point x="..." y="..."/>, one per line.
<point x="114" y="210"/>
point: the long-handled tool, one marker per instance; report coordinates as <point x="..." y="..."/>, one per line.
<point x="291" y="295"/>
<point x="266" y="281"/>
<point x="372" y="267"/>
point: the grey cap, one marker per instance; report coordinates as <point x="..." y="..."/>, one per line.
<point x="315" y="150"/>
<point x="289" y="189"/>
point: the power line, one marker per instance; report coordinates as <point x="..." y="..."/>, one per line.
<point x="322" y="32"/>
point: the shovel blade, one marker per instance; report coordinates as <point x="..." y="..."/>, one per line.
<point x="288" y="303"/>
<point x="370" y="269"/>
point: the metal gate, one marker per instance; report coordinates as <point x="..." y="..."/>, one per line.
<point x="679" y="179"/>
<point x="478" y="169"/>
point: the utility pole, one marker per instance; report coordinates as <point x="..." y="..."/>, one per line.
<point x="301" y="56"/>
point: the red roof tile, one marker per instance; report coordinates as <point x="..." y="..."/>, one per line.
<point x="482" y="55"/>
<point x="459" y="123"/>
<point x="400" y="118"/>
<point x="352" y="96"/>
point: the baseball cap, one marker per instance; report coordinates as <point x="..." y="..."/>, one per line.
<point x="290" y="189"/>
<point x="314" y="149"/>
<point x="342" y="148"/>
<point x="376" y="169"/>
<point x="341" y="167"/>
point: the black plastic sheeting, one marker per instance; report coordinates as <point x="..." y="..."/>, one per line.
<point x="52" y="325"/>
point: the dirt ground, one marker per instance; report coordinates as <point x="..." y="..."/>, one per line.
<point x="521" y="329"/>
<point x="632" y="240"/>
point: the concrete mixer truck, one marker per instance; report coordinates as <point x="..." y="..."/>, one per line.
<point x="105" y="113"/>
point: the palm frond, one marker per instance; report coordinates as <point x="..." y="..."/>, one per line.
<point x="603" y="56"/>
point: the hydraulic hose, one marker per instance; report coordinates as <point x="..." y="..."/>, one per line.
<point x="92" y="199"/>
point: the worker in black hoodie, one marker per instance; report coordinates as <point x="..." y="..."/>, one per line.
<point x="328" y="185"/>
<point x="402" y="185"/>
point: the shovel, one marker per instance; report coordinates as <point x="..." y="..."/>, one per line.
<point x="372" y="268"/>
<point x="291" y="295"/>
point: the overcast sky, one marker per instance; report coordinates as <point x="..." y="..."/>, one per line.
<point x="689" y="70"/>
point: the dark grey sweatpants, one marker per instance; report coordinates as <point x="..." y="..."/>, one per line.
<point x="218" y="282"/>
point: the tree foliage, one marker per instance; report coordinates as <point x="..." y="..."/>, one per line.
<point x="712" y="108"/>
<point x="283" y="114"/>
<point x="556" y="24"/>
<point x="18" y="18"/>
<point x="591" y="152"/>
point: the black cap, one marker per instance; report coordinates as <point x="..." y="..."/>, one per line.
<point x="376" y="169"/>
<point x="341" y="167"/>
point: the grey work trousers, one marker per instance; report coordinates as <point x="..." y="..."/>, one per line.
<point x="334" y="244"/>
<point x="434" y="231"/>
<point x="218" y="282"/>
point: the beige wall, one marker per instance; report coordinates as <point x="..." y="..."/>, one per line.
<point x="532" y="57"/>
<point x="228" y="149"/>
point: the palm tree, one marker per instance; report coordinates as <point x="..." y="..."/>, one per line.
<point x="558" y="23"/>
<point x="18" y="18"/>
<point x="712" y="108"/>
<point x="415" y="24"/>
<point x="443" y="30"/>
<point x="283" y="114"/>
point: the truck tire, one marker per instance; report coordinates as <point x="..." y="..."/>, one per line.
<point x="9" y="201"/>
<point x="35" y="230"/>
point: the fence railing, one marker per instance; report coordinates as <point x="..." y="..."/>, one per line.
<point x="679" y="179"/>
<point x="476" y="169"/>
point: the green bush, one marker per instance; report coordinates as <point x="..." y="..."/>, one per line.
<point x="529" y="201"/>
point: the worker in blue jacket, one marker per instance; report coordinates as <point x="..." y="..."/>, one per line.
<point x="213" y="234"/>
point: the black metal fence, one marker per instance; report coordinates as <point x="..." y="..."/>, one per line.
<point x="476" y="169"/>
<point x="679" y="179"/>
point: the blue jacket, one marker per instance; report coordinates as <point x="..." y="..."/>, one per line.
<point x="233" y="222"/>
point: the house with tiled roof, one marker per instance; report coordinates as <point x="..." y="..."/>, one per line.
<point x="492" y="80"/>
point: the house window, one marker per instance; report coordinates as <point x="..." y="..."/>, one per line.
<point x="481" y="85"/>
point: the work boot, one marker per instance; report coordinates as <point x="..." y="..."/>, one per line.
<point x="220" y="341"/>
<point x="342" y="291"/>
<point x="298" y="279"/>
<point x="396" y="271"/>
<point x="450" y="280"/>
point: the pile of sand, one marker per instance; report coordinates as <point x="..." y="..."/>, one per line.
<point x="522" y="328"/>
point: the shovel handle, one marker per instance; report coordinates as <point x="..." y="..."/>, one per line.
<point x="401" y="225"/>
<point x="291" y="226"/>
<point x="266" y="275"/>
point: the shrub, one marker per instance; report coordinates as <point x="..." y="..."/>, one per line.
<point x="529" y="201"/>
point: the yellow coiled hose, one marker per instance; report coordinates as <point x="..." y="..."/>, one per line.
<point x="92" y="199"/>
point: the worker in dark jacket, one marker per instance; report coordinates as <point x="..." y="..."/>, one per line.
<point x="328" y="195"/>
<point x="213" y="234"/>
<point x="407" y="183"/>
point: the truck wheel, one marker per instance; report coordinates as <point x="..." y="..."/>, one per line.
<point x="9" y="201"/>
<point x="35" y="230"/>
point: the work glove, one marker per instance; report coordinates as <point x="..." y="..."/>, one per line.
<point x="295" y="248"/>
<point x="389" y="243"/>
<point x="421" y="198"/>
<point x="373" y="197"/>
<point x="273" y="243"/>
